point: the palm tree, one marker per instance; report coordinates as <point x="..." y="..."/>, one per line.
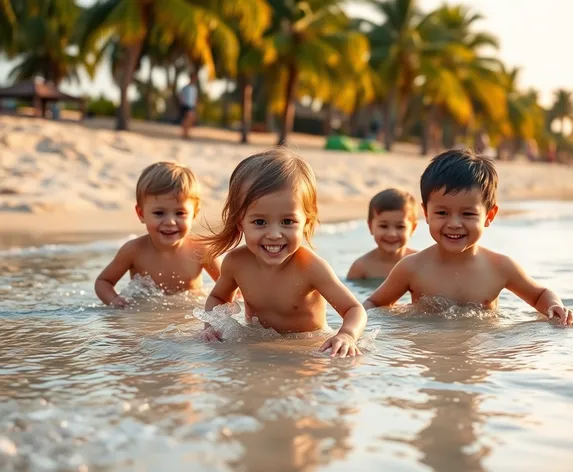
<point x="349" y="83"/>
<point x="309" y="38"/>
<point x="562" y="107"/>
<point x="525" y="119"/>
<point x="396" y="48"/>
<point x="255" y="54"/>
<point x="457" y="79"/>
<point x="8" y="25"/>
<point x="44" y="41"/>
<point x="253" y="60"/>
<point x="198" y="25"/>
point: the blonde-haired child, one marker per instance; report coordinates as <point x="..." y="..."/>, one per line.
<point x="168" y="201"/>
<point x="272" y="203"/>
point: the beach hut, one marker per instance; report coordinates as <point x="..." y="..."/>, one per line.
<point x="39" y="94"/>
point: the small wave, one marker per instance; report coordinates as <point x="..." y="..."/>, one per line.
<point x="143" y="293"/>
<point x="538" y="211"/>
<point x="53" y="249"/>
<point x="441" y="308"/>
<point x="230" y="321"/>
<point x="340" y="227"/>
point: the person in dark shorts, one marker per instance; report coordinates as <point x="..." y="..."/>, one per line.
<point x="188" y="105"/>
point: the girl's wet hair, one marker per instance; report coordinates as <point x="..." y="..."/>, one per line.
<point x="256" y="176"/>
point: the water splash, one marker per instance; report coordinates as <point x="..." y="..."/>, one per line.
<point x="143" y="293"/>
<point x="441" y="308"/>
<point x="231" y="322"/>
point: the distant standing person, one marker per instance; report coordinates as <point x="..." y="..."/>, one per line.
<point x="188" y="103"/>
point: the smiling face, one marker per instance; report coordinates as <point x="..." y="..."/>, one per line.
<point x="273" y="226"/>
<point x="457" y="220"/>
<point x="391" y="230"/>
<point x="168" y="218"/>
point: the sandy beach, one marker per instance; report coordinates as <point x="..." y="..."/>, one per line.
<point x="77" y="180"/>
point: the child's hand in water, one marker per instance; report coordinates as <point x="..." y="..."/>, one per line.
<point x="210" y="334"/>
<point x="564" y="314"/>
<point x="341" y="345"/>
<point x="119" y="302"/>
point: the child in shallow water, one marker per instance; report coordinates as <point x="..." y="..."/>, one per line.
<point x="459" y="201"/>
<point x="167" y="203"/>
<point x="272" y="203"/>
<point x="391" y="220"/>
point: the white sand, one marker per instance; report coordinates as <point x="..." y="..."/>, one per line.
<point x="71" y="177"/>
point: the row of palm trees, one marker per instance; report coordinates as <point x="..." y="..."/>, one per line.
<point x="416" y="68"/>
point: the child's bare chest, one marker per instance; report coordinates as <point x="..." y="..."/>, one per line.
<point x="284" y="290"/>
<point x="285" y="302"/>
<point x="172" y="273"/>
<point x="378" y="269"/>
<point x="471" y="284"/>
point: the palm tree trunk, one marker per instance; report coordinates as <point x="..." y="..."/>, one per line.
<point x="426" y="137"/>
<point x="437" y="129"/>
<point x="149" y="93"/>
<point x="126" y="79"/>
<point x="327" y="124"/>
<point x="288" y="116"/>
<point x="246" y="108"/>
<point x="428" y="140"/>
<point x="226" y="99"/>
<point x="388" y="121"/>
<point x="398" y="128"/>
<point x="353" y="123"/>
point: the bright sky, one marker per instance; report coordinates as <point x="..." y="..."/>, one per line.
<point x="535" y="35"/>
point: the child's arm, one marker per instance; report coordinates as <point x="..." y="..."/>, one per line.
<point x="223" y="292"/>
<point x="392" y="289"/>
<point x="541" y="298"/>
<point x="116" y="269"/>
<point x="345" y="303"/>
<point x="356" y="270"/>
<point x="213" y="268"/>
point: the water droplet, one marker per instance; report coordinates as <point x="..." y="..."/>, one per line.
<point x="7" y="447"/>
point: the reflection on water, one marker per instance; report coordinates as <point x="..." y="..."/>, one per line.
<point x="85" y="387"/>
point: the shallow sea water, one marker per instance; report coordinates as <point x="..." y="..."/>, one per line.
<point x="85" y="387"/>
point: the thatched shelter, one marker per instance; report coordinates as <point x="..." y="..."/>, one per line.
<point x="39" y="95"/>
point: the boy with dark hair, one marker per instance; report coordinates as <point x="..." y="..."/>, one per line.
<point x="392" y="218"/>
<point x="459" y="201"/>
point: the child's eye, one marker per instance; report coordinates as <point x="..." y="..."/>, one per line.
<point x="158" y="213"/>
<point x="288" y="221"/>
<point x="383" y="226"/>
<point x="259" y="222"/>
<point x="442" y="213"/>
<point x="181" y="213"/>
<point x="400" y="227"/>
<point x="468" y="213"/>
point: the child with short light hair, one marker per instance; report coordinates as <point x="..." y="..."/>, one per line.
<point x="392" y="218"/>
<point x="272" y="203"/>
<point x="459" y="201"/>
<point x="168" y="201"/>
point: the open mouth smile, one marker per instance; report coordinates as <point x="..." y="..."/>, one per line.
<point x="455" y="237"/>
<point x="169" y="233"/>
<point x="273" y="248"/>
